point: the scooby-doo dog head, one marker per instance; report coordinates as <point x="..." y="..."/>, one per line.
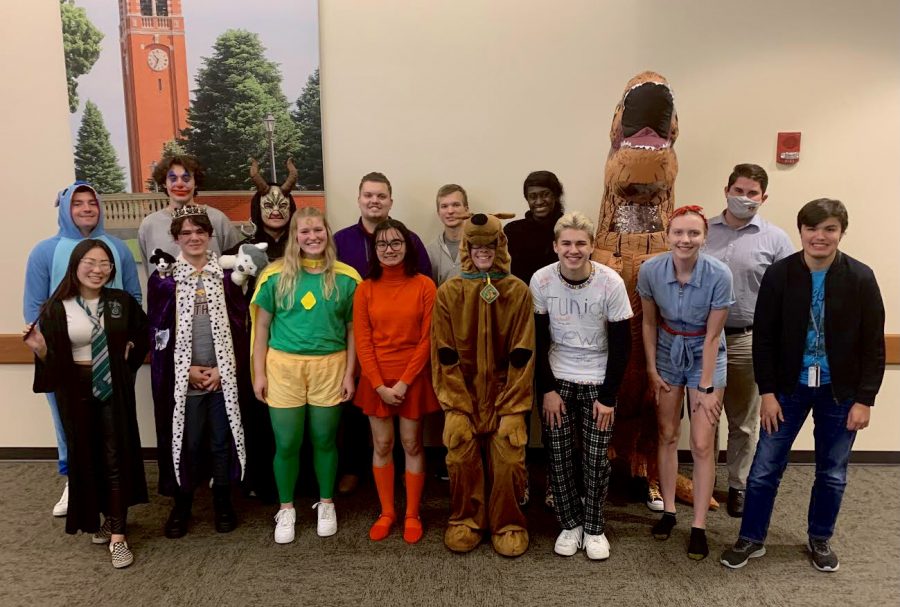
<point x="483" y="229"/>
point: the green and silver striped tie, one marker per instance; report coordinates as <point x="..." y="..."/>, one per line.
<point x="101" y="374"/>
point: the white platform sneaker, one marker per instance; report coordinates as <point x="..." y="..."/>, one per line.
<point x="284" y="526"/>
<point x="327" y="519"/>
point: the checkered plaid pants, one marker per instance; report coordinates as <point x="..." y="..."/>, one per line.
<point x="579" y="400"/>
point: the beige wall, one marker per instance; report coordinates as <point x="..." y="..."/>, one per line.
<point x="481" y="93"/>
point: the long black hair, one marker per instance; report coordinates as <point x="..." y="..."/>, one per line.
<point x="70" y="286"/>
<point x="410" y="259"/>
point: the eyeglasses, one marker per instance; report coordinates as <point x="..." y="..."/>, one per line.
<point x="93" y="264"/>
<point x="395" y="245"/>
<point x="490" y="246"/>
<point x="542" y="195"/>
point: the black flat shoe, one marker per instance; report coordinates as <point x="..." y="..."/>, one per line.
<point x="698" y="548"/>
<point x="663" y="527"/>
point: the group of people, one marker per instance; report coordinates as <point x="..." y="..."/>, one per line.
<point x="343" y="332"/>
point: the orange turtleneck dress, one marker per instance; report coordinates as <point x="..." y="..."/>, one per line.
<point x="392" y="328"/>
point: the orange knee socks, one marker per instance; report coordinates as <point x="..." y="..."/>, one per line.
<point x="384" y="482"/>
<point x="412" y="526"/>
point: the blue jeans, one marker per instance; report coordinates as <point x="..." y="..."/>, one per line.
<point x="205" y="418"/>
<point x="62" y="448"/>
<point x="833" y="443"/>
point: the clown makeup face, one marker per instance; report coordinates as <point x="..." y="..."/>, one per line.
<point x="686" y="235"/>
<point x="312" y="237"/>
<point x="275" y="209"/>
<point x="483" y="255"/>
<point x="85" y="211"/>
<point x="390" y="247"/>
<point x="180" y="185"/>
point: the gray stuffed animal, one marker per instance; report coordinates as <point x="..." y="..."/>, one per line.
<point x="249" y="261"/>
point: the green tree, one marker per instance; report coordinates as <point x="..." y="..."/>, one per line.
<point x="308" y="118"/>
<point x="95" y="158"/>
<point x="81" y="46"/>
<point x="236" y="87"/>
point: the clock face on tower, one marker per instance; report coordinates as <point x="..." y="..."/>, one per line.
<point x="158" y="60"/>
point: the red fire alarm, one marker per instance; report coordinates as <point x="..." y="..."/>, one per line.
<point x="788" y="148"/>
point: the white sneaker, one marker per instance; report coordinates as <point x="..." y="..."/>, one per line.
<point x="327" y="521"/>
<point x="61" y="508"/>
<point x="596" y="546"/>
<point x="569" y="541"/>
<point x="284" y="526"/>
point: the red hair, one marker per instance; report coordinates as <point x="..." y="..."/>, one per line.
<point x="690" y="209"/>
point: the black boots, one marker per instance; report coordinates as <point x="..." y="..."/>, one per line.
<point x="177" y="523"/>
<point x="226" y="519"/>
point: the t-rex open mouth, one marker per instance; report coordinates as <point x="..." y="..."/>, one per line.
<point x="647" y="116"/>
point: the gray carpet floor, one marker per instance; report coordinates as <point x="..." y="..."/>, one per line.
<point x="41" y="565"/>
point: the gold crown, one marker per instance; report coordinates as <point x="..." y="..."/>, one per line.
<point x="189" y="210"/>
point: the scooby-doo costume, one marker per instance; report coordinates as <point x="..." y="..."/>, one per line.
<point x="483" y="342"/>
<point x="639" y="196"/>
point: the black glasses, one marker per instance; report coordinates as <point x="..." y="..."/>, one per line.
<point x="382" y="245"/>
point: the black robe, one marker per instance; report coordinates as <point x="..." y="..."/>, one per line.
<point x="124" y="321"/>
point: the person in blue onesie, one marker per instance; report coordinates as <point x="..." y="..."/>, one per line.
<point x="80" y="217"/>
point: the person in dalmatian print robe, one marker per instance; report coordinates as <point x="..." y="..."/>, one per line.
<point x="199" y="374"/>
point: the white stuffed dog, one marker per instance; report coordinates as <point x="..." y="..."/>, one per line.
<point x="249" y="261"/>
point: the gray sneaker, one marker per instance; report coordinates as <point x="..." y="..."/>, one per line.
<point x="742" y="551"/>
<point x="823" y="557"/>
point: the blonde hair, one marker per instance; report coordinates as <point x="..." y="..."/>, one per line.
<point x="574" y="220"/>
<point x="293" y="260"/>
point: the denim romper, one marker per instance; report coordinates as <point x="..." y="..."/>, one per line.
<point x="685" y="309"/>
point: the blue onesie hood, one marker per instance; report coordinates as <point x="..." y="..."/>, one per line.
<point x="69" y="235"/>
<point x="67" y="227"/>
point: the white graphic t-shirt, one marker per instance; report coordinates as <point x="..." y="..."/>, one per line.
<point x="578" y="317"/>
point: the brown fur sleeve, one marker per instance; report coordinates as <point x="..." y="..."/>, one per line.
<point x="447" y="377"/>
<point x="518" y="394"/>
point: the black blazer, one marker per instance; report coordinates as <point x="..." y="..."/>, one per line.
<point x="854" y="328"/>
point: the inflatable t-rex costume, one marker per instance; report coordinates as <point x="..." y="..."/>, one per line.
<point x="639" y="196"/>
<point x="482" y="336"/>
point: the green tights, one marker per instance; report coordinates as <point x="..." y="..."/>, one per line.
<point x="288" y="425"/>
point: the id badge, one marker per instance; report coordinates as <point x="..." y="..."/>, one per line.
<point x="814" y="376"/>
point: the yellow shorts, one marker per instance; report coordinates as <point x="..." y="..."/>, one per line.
<point x="299" y="379"/>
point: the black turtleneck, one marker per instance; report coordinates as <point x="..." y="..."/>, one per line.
<point x="531" y="244"/>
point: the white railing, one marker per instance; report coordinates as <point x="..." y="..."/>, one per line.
<point x="128" y="210"/>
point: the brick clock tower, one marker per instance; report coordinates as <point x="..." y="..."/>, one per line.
<point x="154" y="68"/>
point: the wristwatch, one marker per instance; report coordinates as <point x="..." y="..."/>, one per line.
<point x="707" y="390"/>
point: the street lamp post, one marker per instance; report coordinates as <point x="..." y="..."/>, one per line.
<point x="152" y="171"/>
<point x="269" y="122"/>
